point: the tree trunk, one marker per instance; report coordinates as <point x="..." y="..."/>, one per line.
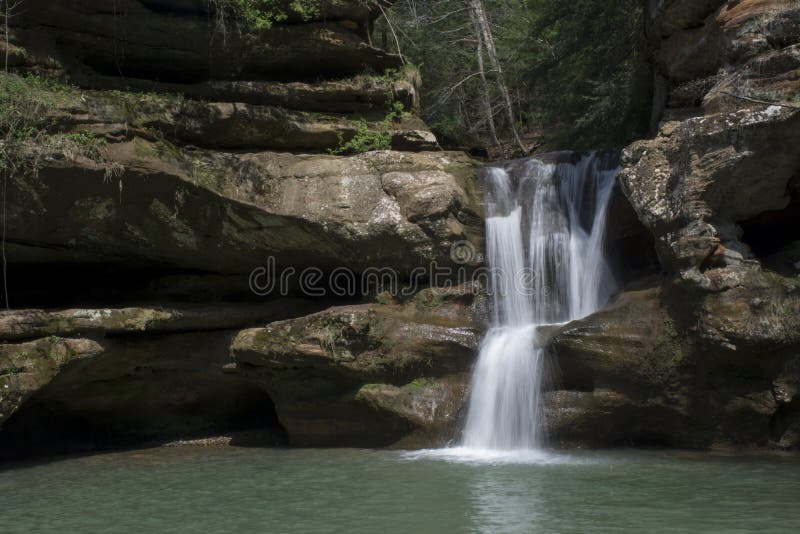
<point x="487" y="41"/>
<point x="487" y="101"/>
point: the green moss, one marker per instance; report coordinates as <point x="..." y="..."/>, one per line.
<point x="667" y="334"/>
<point x="421" y="383"/>
<point x="428" y="299"/>
<point x="384" y="298"/>
<point x="326" y="337"/>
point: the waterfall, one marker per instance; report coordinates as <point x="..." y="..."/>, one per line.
<point x="545" y="231"/>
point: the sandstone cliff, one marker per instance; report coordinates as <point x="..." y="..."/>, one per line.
<point x="157" y="152"/>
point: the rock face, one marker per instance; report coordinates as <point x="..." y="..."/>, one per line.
<point x="167" y="149"/>
<point x="640" y="374"/>
<point x="725" y="151"/>
<point x="170" y="177"/>
<point x="706" y="356"/>
<point x="180" y="208"/>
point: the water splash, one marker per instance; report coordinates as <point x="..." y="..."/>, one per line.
<point x="545" y="230"/>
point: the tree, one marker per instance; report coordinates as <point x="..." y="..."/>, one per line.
<point x="508" y="72"/>
<point x="485" y="40"/>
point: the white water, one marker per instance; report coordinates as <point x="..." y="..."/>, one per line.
<point x="545" y="233"/>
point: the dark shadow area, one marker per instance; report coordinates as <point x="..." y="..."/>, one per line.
<point x="631" y="246"/>
<point x="774" y="236"/>
<point x="44" y="427"/>
<point x="143" y="391"/>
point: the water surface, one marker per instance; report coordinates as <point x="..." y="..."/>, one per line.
<point x="269" y="490"/>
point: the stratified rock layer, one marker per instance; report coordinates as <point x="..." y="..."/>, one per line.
<point x="168" y="149"/>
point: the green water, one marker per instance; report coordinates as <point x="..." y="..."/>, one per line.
<point x="256" y="490"/>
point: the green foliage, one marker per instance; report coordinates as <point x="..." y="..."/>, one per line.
<point x="588" y="75"/>
<point x="24" y="102"/>
<point x="85" y="139"/>
<point x="262" y="14"/>
<point x="366" y="138"/>
<point x="28" y="129"/>
<point x="576" y="71"/>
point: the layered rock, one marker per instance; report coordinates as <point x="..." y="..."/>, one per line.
<point x="733" y="71"/>
<point x="171" y="40"/>
<point x="229" y="212"/>
<point x="640" y="374"/>
<point x="169" y="179"/>
<point x="166" y="149"/>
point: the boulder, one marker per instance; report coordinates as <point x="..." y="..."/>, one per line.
<point x="666" y="366"/>
<point x="368" y="375"/>
<point x="700" y="177"/>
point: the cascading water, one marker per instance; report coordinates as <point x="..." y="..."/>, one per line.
<point x="545" y="233"/>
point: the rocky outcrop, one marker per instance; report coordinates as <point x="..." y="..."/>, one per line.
<point x="638" y="374"/>
<point x="706" y="356"/>
<point x="117" y="115"/>
<point x="724" y="153"/>
<point x="178" y="208"/>
<point x="129" y="166"/>
<point x="703" y="176"/>
<point x="369" y="375"/>
<point x="166" y="151"/>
